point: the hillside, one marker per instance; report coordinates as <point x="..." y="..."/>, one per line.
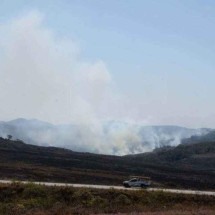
<point x="187" y="166"/>
<point x="111" y="137"/>
<point x="208" y="137"/>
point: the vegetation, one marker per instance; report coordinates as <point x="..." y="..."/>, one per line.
<point x="20" y="199"/>
<point x="9" y="137"/>
<point x="184" y="166"/>
<point x="209" y="137"/>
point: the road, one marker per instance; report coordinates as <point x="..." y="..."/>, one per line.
<point x="195" y="192"/>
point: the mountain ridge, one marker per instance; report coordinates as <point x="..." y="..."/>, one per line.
<point x="111" y="137"/>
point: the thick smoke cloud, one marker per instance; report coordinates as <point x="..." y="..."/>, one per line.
<point x="43" y="76"/>
<point x="111" y="138"/>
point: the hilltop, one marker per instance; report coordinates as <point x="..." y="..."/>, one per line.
<point x="110" y="137"/>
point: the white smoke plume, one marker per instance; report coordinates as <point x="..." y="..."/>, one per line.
<point x="111" y="137"/>
<point x="43" y="76"/>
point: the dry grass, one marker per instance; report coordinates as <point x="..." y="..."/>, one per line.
<point x="171" y="212"/>
<point x="31" y="199"/>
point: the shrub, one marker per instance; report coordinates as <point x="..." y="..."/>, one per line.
<point x="84" y="197"/>
<point x="122" y="199"/>
<point x="64" y="194"/>
<point x="99" y="202"/>
<point x="32" y="191"/>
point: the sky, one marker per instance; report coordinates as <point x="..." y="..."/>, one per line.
<point x="70" y="61"/>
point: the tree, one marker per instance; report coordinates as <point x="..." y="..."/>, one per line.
<point x="9" y="137"/>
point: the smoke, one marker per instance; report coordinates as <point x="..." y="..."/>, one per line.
<point x="111" y="137"/>
<point x="43" y="76"/>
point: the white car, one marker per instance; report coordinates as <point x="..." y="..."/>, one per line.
<point x="137" y="182"/>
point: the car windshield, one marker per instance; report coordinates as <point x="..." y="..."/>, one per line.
<point x="133" y="180"/>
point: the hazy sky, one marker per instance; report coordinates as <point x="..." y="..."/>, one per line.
<point x="150" y="62"/>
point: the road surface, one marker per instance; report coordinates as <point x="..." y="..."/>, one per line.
<point x="195" y="192"/>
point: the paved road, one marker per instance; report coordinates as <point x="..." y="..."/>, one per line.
<point x="196" y="192"/>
